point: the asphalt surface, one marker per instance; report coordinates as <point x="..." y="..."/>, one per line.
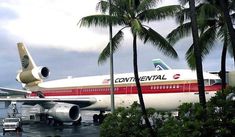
<point x="86" y="129"/>
<point x="42" y="130"/>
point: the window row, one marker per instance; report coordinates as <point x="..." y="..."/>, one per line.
<point x="175" y="86"/>
<point x="97" y="89"/>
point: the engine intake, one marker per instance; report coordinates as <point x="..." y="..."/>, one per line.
<point x="44" y="72"/>
<point x="65" y="112"/>
<point x="36" y="74"/>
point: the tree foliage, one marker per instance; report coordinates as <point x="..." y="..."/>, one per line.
<point x="220" y="120"/>
<point x="125" y="122"/>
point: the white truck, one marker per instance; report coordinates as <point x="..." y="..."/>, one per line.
<point x="11" y="124"/>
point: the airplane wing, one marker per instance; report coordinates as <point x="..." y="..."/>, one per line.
<point x="12" y="92"/>
<point x="81" y="101"/>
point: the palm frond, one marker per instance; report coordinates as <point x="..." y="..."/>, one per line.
<point x="146" y="4"/>
<point x="190" y="58"/>
<point x="206" y="12"/>
<point x="122" y="5"/>
<point x="158" y="13"/>
<point x="180" y="32"/>
<point x="182" y="15"/>
<point x="99" y="20"/>
<point x="206" y="43"/>
<point x="102" y="6"/>
<point x="159" y="42"/>
<point x="104" y="55"/>
<point x="222" y="31"/>
<point x="207" y="40"/>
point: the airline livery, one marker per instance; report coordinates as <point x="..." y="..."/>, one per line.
<point x="163" y="89"/>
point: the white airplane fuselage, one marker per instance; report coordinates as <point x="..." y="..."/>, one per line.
<point x="162" y="90"/>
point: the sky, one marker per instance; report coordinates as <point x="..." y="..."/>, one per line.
<point x="50" y="30"/>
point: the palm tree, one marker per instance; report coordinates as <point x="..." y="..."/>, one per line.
<point x="217" y="20"/>
<point x="224" y="4"/>
<point x="132" y="14"/>
<point x="212" y="26"/>
<point x="184" y="30"/>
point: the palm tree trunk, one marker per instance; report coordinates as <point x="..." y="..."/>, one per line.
<point x="223" y="64"/>
<point x="136" y="75"/>
<point x="197" y="54"/>
<point x="224" y="7"/>
<point x="111" y="63"/>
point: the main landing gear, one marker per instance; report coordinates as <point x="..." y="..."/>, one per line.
<point x="99" y="118"/>
<point x="53" y="122"/>
<point x="78" y="122"/>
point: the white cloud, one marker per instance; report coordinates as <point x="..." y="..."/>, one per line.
<point x="53" y="23"/>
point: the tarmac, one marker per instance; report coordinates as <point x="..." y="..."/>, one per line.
<point x="42" y="130"/>
<point x="86" y="129"/>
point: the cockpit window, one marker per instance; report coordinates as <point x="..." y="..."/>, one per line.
<point x="212" y="81"/>
<point x="209" y="82"/>
<point x="215" y="81"/>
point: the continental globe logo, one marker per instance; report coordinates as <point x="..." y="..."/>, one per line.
<point x="25" y="61"/>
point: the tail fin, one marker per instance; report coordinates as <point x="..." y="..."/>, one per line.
<point x="30" y="74"/>
<point x="27" y="62"/>
<point x="160" y="65"/>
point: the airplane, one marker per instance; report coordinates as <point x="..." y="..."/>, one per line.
<point x="164" y="89"/>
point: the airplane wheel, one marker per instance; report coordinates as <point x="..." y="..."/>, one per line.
<point x="101" y="118"/>
<point x="95" y="118"/>
<point x="52" y="122"/>
<point x="78" y="122"/>
<point x="48" y="121"/>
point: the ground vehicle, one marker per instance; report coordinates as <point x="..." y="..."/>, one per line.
<point x="11" y="124"/>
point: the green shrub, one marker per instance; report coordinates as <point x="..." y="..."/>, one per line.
<point x="218" y="120"/>
<point x="125" y="123"/>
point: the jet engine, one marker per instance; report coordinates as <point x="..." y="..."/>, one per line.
<point x="36" y="74"/>
<point x="65" y="112"/>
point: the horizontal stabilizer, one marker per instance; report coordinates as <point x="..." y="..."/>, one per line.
<point x="12" y="92"/>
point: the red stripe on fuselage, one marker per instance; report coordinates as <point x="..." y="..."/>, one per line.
<point x="146" y="89"/>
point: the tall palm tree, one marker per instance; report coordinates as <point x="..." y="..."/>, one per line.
<point x="132" y="14"/>
<point x="184" y="30"/>
<point x="212" y="27"/>
<point x="224" y="4"/>
<point x="221" y="23"/>
<point x="217" y="20"/>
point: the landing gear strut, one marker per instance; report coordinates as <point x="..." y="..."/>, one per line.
<point x="99" y="118"/>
